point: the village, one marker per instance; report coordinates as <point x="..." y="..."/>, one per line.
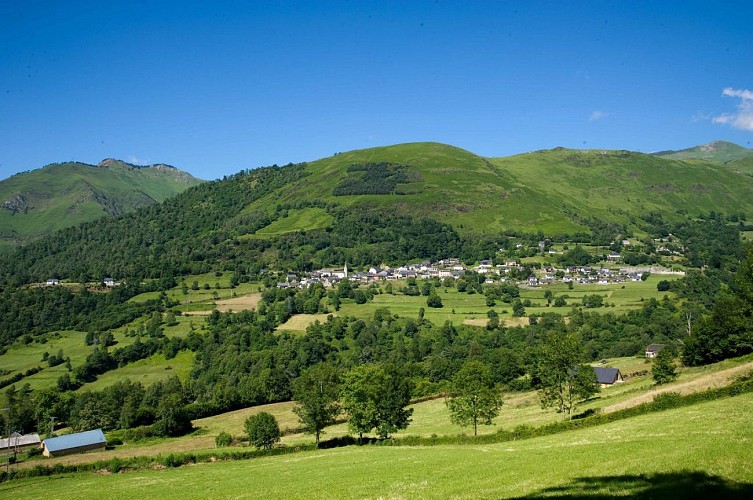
<point x="512" y="270"/>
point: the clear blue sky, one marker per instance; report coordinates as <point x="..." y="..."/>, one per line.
<point x="216" y="87"/>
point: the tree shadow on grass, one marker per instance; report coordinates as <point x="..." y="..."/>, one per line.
<point x="686" y="484"/>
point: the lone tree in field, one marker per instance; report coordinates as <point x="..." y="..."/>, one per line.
<point x="434" y="300"/>
<point x="474" y="398"/>
<point x="663" y="370"/>
<point x="375" y="397"/>
<point x="263" y="431"/>
<point x="315" y="393"/>
<point x="563" y="380"/>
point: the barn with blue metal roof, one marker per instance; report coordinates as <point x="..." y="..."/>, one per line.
<point x="74" y="443"/>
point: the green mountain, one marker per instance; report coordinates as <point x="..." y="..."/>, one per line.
<point x="556" y="190"/>
<point x="717" y="151"/>
<point x="61" y="195"/>
<point x="408" y="201"/>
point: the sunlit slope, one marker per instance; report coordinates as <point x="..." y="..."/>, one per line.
<point x="446" y="183"/>
<point x="557" y="190"/>
<point x="622" y="185"/>
<point x="717" y="151"/>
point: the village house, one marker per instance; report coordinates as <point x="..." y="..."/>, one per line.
<point x="608" y="376"/>
<point x="653" y="349"/>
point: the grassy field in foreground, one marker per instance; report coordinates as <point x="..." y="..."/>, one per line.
<point x="673" y="454"/>
<point x="430" y="417"/>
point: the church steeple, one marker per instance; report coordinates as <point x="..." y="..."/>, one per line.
<point x="345" y="269"/>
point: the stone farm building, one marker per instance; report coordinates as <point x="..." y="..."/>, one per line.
<point x="74" y="443"/>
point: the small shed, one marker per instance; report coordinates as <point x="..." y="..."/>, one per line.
<point x="74" y="443"/>
<point x="19" y="442"/>
<point x="608" y="376"/>
<point x="653" y="349"/>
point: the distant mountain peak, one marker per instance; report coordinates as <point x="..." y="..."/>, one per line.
<point x="716" y="151"/>
<point x="114" y="162"/>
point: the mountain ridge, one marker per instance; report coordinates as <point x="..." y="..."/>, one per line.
<point x="413" y="200"/>
<point x="39" y="202"/>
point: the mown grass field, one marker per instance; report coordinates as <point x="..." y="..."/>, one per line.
<point x="700" y="451"/>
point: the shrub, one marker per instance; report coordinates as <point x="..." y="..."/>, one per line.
<point x="263" y="430"/>
<point x="223" y="439"/>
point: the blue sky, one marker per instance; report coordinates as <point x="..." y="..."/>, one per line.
<point x="213" y="89"/>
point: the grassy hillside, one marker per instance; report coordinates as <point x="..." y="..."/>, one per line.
<point x="717" y="151"/>
<point x="39" y="202"/>
<point x="743" y="165"/>
<point x="669" y="454"/>
<point x="444" y="183"/>
<point x="621" y="185"/>
<point x="553" y="190"/>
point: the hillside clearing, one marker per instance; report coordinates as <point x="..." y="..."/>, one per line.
<point x="244" y="303"/>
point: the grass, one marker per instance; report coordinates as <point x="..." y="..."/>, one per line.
<point x="460" y="307"/>
<point x="213" y="292"/>
<point x="300" y="219"/>
<point x="667" y="454"/>
<point x="432" y="417"/>
<point x="20" y="357"/>
<point x="147" y="371"/>
<point x="476" y="194"/>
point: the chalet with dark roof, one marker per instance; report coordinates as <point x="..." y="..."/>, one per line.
<point x="608" y="376"/>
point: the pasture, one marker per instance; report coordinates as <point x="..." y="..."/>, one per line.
<point x="462" y="307"/>
<point x="147" y="371"/>
<point x="695" y="451"/>
<point x="432" y="417"/>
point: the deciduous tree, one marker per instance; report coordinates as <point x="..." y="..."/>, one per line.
<point x="474" y="398"/>
<point x="563" y="380"/>
<point x="263" y="430"/>
<point x="316" y="394"/>
<point x="663" y="369"/>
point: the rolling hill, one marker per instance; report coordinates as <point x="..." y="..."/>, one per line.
<point x="60" y="195"/>
<point x="554" y="190"/>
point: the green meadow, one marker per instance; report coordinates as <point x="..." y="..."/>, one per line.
<point x="700" y="451"/>
<point x="147" y="371"/>
<point x="462" y="307"/>
<point x="300" y="219"/>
